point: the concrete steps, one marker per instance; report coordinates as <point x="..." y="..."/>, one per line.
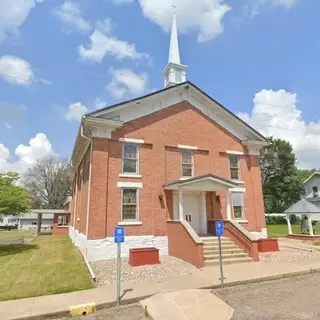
<point x="231" y="253"/>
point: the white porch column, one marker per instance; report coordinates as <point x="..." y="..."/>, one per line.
<point x="228" y="205"/>
<point x="289" y="224"/>
<point x="181" y="204"/>
<point x="310" y="225"/>
<point x="203" y="214"/>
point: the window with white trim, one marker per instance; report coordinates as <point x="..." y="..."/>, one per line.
<point x="130" y="158"/>
<point x="63" y="221"/>
<point x="129" y="197"/>
<point x="187" y="163"/>
<point x="234" y="167"/>
<point x="238" y="205"/>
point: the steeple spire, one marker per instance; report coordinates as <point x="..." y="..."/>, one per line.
<point x="174" y="54"/>
<point x="174" y="72"/>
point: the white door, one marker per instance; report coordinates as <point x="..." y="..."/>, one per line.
<point x="191" y="210"/>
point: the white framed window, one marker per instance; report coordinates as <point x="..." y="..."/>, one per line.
<point x="12" y="220"/>
<point x="234" y="167"/>
<point x="130" y="158"/>
<point x="63" y="221"/>
<point x="187" y="163"/>
<point x="237" y="205"/>
<point x="129" y="204"/>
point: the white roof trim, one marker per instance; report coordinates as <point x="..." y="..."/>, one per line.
<point x="129" y="140"/>
<point x="315" y="173"/>
<point x="182" y="146"/>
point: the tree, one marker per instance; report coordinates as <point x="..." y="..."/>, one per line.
<point x="49" y="182"/>
<point x="13" y="198"/>
<point x="282" y="185"/>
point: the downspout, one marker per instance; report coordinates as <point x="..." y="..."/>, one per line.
<point x="89" y="182"/>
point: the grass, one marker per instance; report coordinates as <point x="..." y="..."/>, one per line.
<point x="48" y="265"/>
<point x="15" y="234"/>
<point x="281" y="230"/>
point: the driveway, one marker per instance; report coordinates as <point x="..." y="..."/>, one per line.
<point x="288" y="299"/>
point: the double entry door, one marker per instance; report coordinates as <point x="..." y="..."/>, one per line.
<point x="192" y="209"/>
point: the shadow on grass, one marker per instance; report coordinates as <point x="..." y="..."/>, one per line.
<point x="6" y="250"/>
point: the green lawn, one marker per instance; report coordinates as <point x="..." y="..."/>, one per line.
<point x="48" y="265"/>
<point x="281" y="230"/>
<point x="15" y="234"/>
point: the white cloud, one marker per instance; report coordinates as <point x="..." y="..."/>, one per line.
<point x="38" y="148"/>
<point x="76" y="111"/>
<point x="99" y="104"/>
<point x="70" y="14"/>
<point x="257" y="6"/>
<point x="203" y="16"/>
<point x="7" y="125"/>
<point x="13" y="14"/>
<point x="275" y="113"/>
<point x="126" y="81"/>
<point x="16" y="70"/>
<point x="103" y="43"/>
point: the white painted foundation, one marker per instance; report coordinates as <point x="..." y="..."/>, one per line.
<point x="106" y="249"/>
<point x="260" y="235"/>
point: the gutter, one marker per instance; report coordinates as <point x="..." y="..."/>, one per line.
<point x="90" y="171"/>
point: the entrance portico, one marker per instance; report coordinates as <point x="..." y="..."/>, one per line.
<point x="189" y="199"/>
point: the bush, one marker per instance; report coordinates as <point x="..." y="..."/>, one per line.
<point x="276" y="220"/>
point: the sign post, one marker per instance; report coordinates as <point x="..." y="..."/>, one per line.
<point x="118" y="239"/>
<point x="219" y="233"/>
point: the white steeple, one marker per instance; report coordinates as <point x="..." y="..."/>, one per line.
<point x="174" y="72"/>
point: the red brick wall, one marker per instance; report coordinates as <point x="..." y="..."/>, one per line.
<point x="181" y="245"/>
<point x="160" y="163"/>
<point x="58" y="230"/>
<point x="79" y="199"/>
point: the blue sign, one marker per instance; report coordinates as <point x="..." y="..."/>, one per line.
<point x="119" y="234"/>
<point x="219" y="228"/>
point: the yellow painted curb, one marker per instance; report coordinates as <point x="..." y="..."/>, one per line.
<point x="82" y="309"/>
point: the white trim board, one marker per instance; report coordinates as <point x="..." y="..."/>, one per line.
<point x="130" y="140"/>
<point x="125" y="184"/>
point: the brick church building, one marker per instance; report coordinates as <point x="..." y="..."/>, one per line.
<point x="166" y="166"/>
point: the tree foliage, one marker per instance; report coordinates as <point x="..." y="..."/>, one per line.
<point x="281" y="179"/>
<point x="49" y="182"/>
<point x="13" y="198"/>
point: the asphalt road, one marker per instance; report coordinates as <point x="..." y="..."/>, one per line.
<point x="295" y="298"/>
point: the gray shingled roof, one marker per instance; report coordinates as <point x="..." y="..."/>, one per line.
<point x="303" y="206"/>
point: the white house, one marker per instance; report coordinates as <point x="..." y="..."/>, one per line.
<point x="27" y="221"/>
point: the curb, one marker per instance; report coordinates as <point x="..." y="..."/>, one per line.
<point x="107" y="305"/>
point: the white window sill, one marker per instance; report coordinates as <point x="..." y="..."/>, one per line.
<point x="63" y="226"/>
<point x="241" y="220"/>
<point x="185" y="178"/>
<point x="238" y="181"/>
<point x="128" y="175"/>
<point x="130" y="223"/>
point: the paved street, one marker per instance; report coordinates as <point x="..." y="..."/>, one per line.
<point x="293" y="299"/>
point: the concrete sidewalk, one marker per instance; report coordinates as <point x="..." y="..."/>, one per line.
<point x="61" y="304"/>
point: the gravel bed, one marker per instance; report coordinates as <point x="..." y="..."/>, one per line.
<point x="290" y="255"/>
<point x="105" y="271"/>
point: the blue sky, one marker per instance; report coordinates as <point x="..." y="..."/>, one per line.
<point x="59" y="59"/>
